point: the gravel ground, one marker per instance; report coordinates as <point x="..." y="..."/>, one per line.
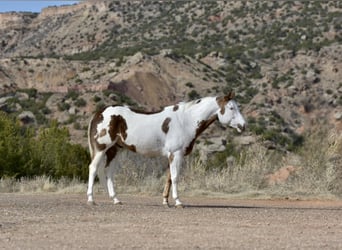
<point x="65" y="221"/>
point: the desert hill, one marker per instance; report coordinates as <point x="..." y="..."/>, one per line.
<point x="283" y="59"/>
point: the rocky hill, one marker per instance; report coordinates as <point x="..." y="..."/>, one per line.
<point x="282" y="58"/>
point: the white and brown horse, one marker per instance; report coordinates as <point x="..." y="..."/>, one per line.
<point x="171" y="132"/>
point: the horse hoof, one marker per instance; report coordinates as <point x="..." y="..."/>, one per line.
<point x="118" y="203"/>
<point x="91" y="203"/>
<point x="166" y="205"/>
<point x="179" y="206"/>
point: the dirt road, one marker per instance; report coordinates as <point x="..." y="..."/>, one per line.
<point x="64" y="221"/>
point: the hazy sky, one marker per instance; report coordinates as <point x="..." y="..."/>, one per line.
<point x="32" y="6"/>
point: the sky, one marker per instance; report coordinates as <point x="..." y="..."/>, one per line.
<point x="32" y="6"/>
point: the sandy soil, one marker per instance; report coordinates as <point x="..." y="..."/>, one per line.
<point x="64" y="221"/>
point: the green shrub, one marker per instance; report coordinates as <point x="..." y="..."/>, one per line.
<point x="218" y="160"/>
<point x="14" y="142"/>
<point x="62" y="106"/>
<point x="189" y="84"/>
<point x="32" y="92"/>
<point x="72" y="94"/>
<point x="58" y="157"/>
<point x="49" y="153"/>
<point x="80" y="102"/>
<point x="193" y="95"/>
<point x="97" y="98"/>
<point x="79" y="81"/>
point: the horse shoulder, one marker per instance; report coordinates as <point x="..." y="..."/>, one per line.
<point x="180" y="134"/>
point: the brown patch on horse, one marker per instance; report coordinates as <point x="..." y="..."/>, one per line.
<point x="103" y="132"/>
<point x="171" y="157"/>
<point x="129" y="147"/>
<point x="168" y="184"/>
<point x="165" y="126"/>
<point x="144" y="112"/>
<point x="110" y="153"/>
<point x="100" y="147"/>
<point x="176" y="107"/>
<point x="203" y="125"/>
<point x="189" y="148"/>
<point x="168" y="181"/>
<point x="118" y="130"/>
<point x="117" y="126"/>
<point x="223" y="100"/>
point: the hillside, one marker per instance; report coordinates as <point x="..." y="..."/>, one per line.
<point x="283" y="59"/>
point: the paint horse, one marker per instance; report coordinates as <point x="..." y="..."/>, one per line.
<point x="171" y="132"/>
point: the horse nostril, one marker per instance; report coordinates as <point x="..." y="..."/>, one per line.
<point x="242" y="127"/>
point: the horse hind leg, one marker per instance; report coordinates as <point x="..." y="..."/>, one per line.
<point x="109" y="172"/>
<point x="93" y="167"/>
<point x="167" y="188"/>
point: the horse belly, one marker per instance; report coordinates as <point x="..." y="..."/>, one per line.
<point x="147" y="145"/>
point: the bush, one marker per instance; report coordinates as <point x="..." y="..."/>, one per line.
<point x="218" y="161"/>
<point x="318" y="171"/>
<point x="321" y="162"/>
<point x="80" y="102"/>
<point x="62" y="106"/>
<point x="97" y="98"/>
<point x="72" y="94"/>
<point x="193" y="95"/>
<point x="32" y="93"/>
<point x="189" y="84"/>
<point x="49" y="153"/>
<point x="58" y="157"/>
<point x="13" y="146"/>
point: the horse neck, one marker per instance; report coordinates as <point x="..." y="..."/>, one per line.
<point x="204" y="110"/>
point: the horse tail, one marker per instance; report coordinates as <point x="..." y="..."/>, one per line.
<point x="91" y="149"/>
<point x="101" y="169"/>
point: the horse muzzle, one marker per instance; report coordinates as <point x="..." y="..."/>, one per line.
<point x="241" y="128"/>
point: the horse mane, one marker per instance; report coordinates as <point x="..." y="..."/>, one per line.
<point x="188" y="105"/>
<point x="175" y="107"/>
<point x="182" y="104"/>
<point x="145" y="112"/>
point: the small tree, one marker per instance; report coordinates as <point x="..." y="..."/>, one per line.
<point x="13" y="144"/>
<point x="193" y="95"/>
<point x="50" y="153"/>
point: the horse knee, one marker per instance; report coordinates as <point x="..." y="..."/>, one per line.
<point x="92" y="169"/>
<point x="174" y="179"/>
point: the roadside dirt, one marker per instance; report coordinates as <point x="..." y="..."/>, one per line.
<point x="64" y="221"/>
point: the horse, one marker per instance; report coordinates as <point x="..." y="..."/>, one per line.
<point x="170" y="132"/>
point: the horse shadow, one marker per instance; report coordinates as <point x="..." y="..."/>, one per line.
<point x="261" y="207"/>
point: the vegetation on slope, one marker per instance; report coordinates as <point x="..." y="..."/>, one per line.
<point x="245" y="36"/>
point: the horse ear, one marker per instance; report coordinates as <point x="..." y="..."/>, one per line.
<point x="230" y="96"/>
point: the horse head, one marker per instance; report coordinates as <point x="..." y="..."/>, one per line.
<point x="229" y="113"/>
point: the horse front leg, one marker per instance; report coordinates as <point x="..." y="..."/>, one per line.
<point x="167" y="188"/>
<point x="175" y="161"/>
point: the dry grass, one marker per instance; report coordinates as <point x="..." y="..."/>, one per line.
<point x="318" y="174"/>
<point x="318" y="171"/>
<point x="41" y="184"/>
<point x="320" y="164"/>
